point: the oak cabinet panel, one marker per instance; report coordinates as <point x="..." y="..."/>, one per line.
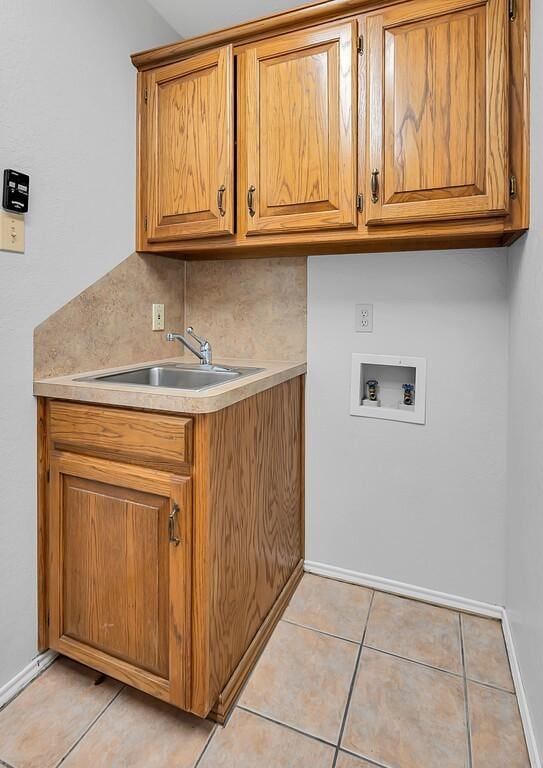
<point x="115" y="585"/>
<point x="437" y="111"/>
<point x="189" y="147"/>
<point x="298" y="131"/>
<point x="118" y="584"/>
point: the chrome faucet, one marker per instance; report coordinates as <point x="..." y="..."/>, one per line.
<point x="205" y="352"/>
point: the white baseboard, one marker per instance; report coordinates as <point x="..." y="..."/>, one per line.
<point x="447" y="601"/>
<point x="406" y="590"/>
<point x="529" y="732"/>
<point x="25" y="676"/>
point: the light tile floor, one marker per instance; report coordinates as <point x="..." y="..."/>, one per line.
<point x="349" y="679"/>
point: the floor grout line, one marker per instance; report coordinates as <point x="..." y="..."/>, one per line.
<point x="321" y="631"/>
<point x="245" y="708"/>
<point x="361" y="757"/>
<point x="440" y="669"/>
<point x="206" y="745"/>
<point x="414" y="661"/>
<point x="85" y="732"/>
<point x="490" y="685"/>
<point x="466" y="700"/>
<point x="353" y="680"/>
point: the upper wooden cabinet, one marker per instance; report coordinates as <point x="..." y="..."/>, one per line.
<point x="437" y="111"/>
<point x="361" y="125"/>
<point x="187" y="173"/>
<point x="297" y="135"/>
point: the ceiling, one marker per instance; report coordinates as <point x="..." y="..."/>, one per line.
<point x="200" y="16"/>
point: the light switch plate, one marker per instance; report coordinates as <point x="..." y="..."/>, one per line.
<point x="363" y="320"/>
<point x="12" y="232"/>
<point x="158" y="317"/>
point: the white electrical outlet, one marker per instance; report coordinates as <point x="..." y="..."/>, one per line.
<point x="158" y="317"/>
<point x="363" y="319"/>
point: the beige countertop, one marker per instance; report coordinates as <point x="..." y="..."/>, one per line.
<point x="167" y="399"/>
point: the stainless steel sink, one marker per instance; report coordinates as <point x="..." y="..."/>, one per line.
<point x="175" y="376"/>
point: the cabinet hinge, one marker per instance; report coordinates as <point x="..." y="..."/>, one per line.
<point x="48" y="475"/>
<point x="146" y="95"/>
<point x="48" y="619"/>
<point x="512" y="10"/>
<point x="145" y="223"/>
<point x="360" y="202"/>
<point x="513" y="188"/>
<point x="360" y="46"/>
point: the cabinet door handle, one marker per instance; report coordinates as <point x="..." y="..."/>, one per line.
<point x="375" y="186"/>
<point x="175" y="540"/>
<point x="220" y="199"/>
<point x="250" y="199"/>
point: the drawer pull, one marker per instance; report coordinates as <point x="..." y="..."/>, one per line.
<point x="375" y="186"/>
<point x="175" y="540"/>
<point x="220" y="200"/>
<point x="250" y="200"/>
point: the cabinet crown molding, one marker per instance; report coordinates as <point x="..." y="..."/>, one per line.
<point x="265" y="26"/>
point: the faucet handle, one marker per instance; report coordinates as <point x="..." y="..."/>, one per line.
<point x="190" y="331"/>
<point x="205" y="346"/>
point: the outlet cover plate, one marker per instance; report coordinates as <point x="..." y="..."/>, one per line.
<point x="158" y="317"/>
<point x="12" y="232"/>
<point x="363" y="319"/>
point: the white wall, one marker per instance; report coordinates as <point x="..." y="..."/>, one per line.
<point x="191" y="19"/>
<point x="419" y="504"/>
<point x="524" y="597"/>
<point x="68" y="119"/>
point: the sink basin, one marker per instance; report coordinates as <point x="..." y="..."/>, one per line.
<point x="175" y="376"/>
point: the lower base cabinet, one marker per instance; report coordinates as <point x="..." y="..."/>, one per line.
<point x="118" y="597"/>
<point x="169" y="545"/>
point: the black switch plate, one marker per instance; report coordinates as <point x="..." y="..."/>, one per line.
<point x="15" y="191"/>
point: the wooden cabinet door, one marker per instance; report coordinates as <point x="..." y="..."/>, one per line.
<point x="189" y="144"/>
<point x="298" y="131"/>
<point x="437" y="111"/>
<point x="119" y="587"/>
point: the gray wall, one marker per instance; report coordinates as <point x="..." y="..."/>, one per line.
<point x="524" y="596"/>
<point x="68" y="119"/>
<point x="420" y="504"/>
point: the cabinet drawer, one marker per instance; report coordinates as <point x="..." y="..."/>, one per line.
<point x="155" y="440"/>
